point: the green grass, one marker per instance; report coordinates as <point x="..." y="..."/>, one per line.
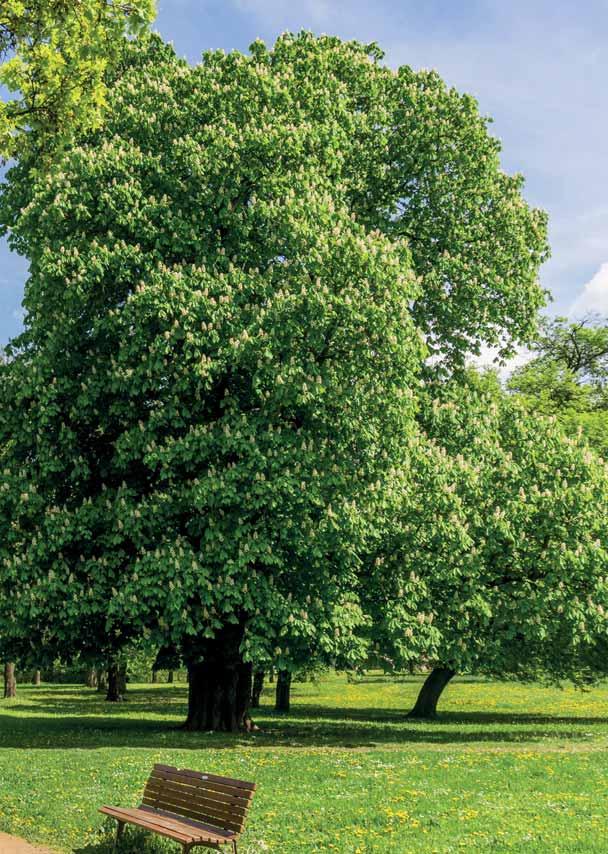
<point x="505" y="768"/>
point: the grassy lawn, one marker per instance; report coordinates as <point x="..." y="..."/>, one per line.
<point x="506" y="768"/>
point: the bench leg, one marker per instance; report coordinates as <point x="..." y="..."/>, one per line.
<point x="119" y="829"/>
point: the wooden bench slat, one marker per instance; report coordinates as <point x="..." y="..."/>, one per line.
<point x="206" y="785"/>
<point x="165" y="823"/>
<point x="232" y="797"/>
<point x="216" y="833"/>
<point x="210" y="814"/>
<point x="220" y="824"/>
<point x="214" y="778"/>
<point x="151" y="822"/>
<point x="148" y="823"/>
<point x="203" y="797"/>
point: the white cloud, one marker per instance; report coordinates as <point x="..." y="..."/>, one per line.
<point x="594" y="297"/>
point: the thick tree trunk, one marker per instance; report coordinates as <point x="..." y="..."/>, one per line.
<point x="431" y="691"/>
<point x="36" y="678"/>
<point x="91" y="678"/>
<point x="102" y="681"/>
<point x="283" y="693"/>
<point x="10" y="683"/>
<point x="219" y="691"/>
<point x="256" y="691"/>
<point x="154" y="676"/>
<point x="114" y="694"/>
<point x="170" y="677"/>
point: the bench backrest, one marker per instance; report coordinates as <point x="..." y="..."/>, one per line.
<point x="219" y="801"/>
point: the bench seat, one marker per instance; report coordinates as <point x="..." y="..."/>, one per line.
<point x="183" y="830"/>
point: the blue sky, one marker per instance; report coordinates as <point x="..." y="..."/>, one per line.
<point x="539" y="68"/>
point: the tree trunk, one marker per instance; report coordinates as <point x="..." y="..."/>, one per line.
<point x="283" y="693"/>
<point x="436" y="681"/>
<point x="36" y="678"/>
<point x="256" y="691"/>
<point x="170" y="677"/>
<point x="122" y="679"/>
<point x="114" y="694"/>
<point x="271" y="675"/>
<point x="219" y="691"/>
<point x="154" y="676"/>
<point x="91" y="678"/>
<point x="10" y="683"/>
<point x="102" y="681"/>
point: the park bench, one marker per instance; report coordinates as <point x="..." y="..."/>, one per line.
<point x="191" y="808"/>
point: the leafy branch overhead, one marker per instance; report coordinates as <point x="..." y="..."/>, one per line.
<point x="54" y="55"/>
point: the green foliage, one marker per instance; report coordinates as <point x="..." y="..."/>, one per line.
<point x="218" y="365"/>
<point x="497" y="561"/>
<point x="568" y="377"/>
<point x="507" y="768"/>
<point x="219" y="368"/>
<point x="408" y="155"/>
<point x="55" y="54"/>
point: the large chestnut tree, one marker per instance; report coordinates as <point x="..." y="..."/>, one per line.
<point x="230" y="286"/>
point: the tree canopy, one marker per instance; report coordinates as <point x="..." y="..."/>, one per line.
<point x="412" y="158"/>
<point x="497" y="560"/>
<point x="230" y="284"/>
<point x="202" y="408"/>
<point x="54" y="55"/>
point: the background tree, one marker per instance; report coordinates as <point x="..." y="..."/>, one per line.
<point x="91" y="677"/>
<point x="54" y="55"/>
<point x="10" y="682"/>
<point x="257" y="686"/>
<point x="167" y="658"/>
<point x="301" y="655"/>
<point x="568" y="377"/>
<point x="283" y="691"/>
<point x="497" y="561"/>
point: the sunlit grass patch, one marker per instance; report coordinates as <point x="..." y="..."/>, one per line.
<point x="505" y="767"/>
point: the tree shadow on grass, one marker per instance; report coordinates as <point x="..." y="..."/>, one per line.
<point x="396" y="716"/>
<point x="142" y="704"/>
<point x="93" y="703"/>
<point x="410" y="679"/>
<point x="135" y="846"/>
<point x="308" y="726"/>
